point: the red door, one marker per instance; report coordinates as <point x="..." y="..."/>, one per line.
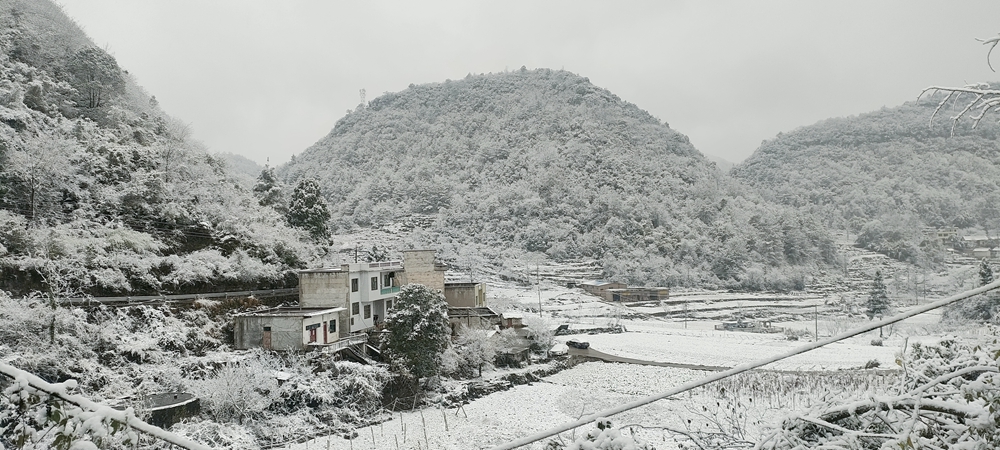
<point x="312" y="335"/>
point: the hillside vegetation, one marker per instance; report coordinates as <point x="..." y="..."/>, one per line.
<point x="885" y="175"/>
<point x="103" y="193"/>
<point x="543" y="161"/>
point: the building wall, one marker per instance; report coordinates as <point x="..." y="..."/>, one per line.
<point x="468" y="295"/>
<point x="324" y="288"/>
<point x="321" y="321"/>
<point x="286" y="332"/>
<point x="419" y="268"/>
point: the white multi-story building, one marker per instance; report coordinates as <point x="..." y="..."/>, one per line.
<point x="351" y="299"/>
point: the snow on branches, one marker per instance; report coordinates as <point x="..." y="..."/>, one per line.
<point x="35" y="414"/>
<point x="978" y="98"/>
<point x="948" y="399"/>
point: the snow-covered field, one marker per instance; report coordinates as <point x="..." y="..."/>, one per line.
<point x="679" y="331"/>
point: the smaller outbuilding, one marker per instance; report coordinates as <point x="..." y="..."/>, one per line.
<point x="287" y="328"/>
<point x="481" y="317"/>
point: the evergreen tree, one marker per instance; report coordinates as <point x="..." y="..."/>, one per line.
<point x="268" y="189"/>
<point x="376" y="254"/>
<point x="308" y="210"/>
<point x="418" y="330"/>
<point x="878" y="300"/>
<point x="985" y="272"/>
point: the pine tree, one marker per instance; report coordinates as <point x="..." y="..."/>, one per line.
<point x="985" y="272"/>
<point x="878" y="300"/>
<point x="418" y="330"/>
<point x="308" y="210"/>
<point x="268" y="189"/>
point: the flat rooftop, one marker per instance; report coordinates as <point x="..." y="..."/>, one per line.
<point x="292" y="311"/>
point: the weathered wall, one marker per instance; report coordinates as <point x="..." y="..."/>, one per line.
<point x="324" y="288"/>
<point x="467" y="295"/>
<point x="419" y="268"/>
<point x="286" y="332"/>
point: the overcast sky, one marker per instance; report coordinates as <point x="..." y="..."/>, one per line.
<point x="267" y="79"/>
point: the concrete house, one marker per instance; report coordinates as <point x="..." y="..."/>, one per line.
<point x="340" y="304"/>
<point x="336" y="303"/>
<point x="287" y="328"/>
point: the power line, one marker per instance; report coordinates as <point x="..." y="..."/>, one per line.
<point x="744" y="368"/>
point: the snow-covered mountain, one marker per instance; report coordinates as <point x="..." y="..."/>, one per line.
<point x="544" y="161"/>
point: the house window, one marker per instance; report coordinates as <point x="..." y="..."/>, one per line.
<point x="352" y="321"/>
<point x="388" y="278"/>
<point x="354" y="285"/>
<point x="333" y="326"/>
<point x="355" y="308"/>
<point x="388" y="304"/>
<point x="374" y="283"/>
<point x="368" y="311"/>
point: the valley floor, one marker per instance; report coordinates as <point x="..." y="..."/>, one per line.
<point x="683" y="332"/>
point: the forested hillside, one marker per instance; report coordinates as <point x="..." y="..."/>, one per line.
<point x="544" y="161"/>
<point x="885" y="175"/>
<point x="103" y="193"/>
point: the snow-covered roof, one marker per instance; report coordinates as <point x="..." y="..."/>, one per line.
<point x="292" y="311"/>
<point x="595" y="283"/>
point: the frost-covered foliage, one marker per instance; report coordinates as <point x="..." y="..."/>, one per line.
<point x="544" y="161"/>
<point x="947" y="399"/>
<point x="98" y="181"/>
<point x="475" y="348"/>
<point x="32" y="418"/>
<point x="418" y="331"/>
<point x="117" y="355"/>
<point x="542" y="333"/>
<point x="338" y="391"/>
<point x="240" y="390"/>
<point x="603" y="436"/>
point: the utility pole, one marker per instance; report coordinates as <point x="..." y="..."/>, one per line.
<point x="538" y="288"/>
<point x="815" y="323"/>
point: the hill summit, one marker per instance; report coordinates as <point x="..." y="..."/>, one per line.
<point x="544" y="161"/>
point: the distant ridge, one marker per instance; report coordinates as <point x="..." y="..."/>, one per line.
<point x="885" y="175"/>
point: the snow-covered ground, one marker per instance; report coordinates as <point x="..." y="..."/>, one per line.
<point x="681" y="330"/>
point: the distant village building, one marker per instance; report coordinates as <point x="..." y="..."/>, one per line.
<point x="979" y="246"/>
<point x="620" y="292"/>
<point x="639" y="294"/>
<point x="943" y="235"/>
<point x="601" y="288"/>
<point x="337" y="303"/>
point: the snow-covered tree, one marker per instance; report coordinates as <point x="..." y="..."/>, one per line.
<point x="269" y="189"/>
<point x="418" y="330"/>
<point x="878" y="299"/>
<point x="985" y="272"/>
<point x="476" y="348"/>
<point x="542" y="333"/>
<point x="308" y="210"/>
<point x="240" y="390"/>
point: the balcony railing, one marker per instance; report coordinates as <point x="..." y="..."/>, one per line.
<point x="379" y="265"/>
<point x="389" y="290"/>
